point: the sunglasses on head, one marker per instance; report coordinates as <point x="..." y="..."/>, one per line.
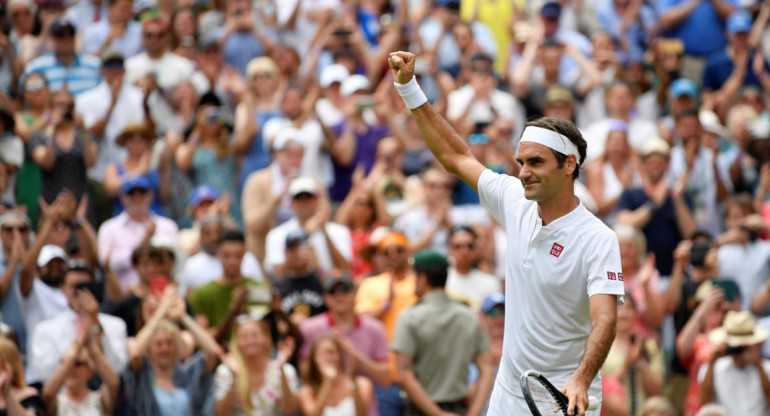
<point x="339" y="289"/>
<point x="20" y="228"/>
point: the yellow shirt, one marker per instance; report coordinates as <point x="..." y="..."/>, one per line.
<point x="497" y="15"/>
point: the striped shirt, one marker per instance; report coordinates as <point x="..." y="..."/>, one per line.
<point x="81" y="75"/>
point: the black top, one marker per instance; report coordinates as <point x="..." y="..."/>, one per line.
<point x="69" y="170"/>
<point x="33" y="403"/>
<point x="301" y="295"/>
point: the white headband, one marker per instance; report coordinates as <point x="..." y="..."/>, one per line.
<point x="550" y="139"/>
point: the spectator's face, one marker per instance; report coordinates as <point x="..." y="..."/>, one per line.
<point x="562" y="110"/>
<point x="209" y="235"/>
<point x="292" y="104"/>
<point x="626" y="317"/>
<point x="112" y="70"/>
<point x="251" y="340"/>
<point x="62" y="103"/>
<point x="655" y="166"/>
<point x="146" y="267"/>
<point x="540" y="173"/>
<point x="22" y="18"/>
<point x="296" y="258"/>
<point x="739" y="40"/>
<point x="162" y="350"/>
<point x="397" y="257"/>
<point x="80" y="374"/>
<point x="684" y="102"/>
<point x="617" y="145"/>
<point x="71" y="280"/>
<point x="154" y="37"/>
<point x="550" y="26"/>
<point x="438" y="185"/>
<point x="184" y="24"/>
<point x="734" y="215"/>
<point x="121" y="9"/>
<point x="688" y="128"/>
<point x="164" y="261"/>
<point x="202" y="208"/>
<point x="327" y="354"/>
<point x="602" y="42"/>
<point x="64" y="42"/>
<point x="231" y="254"/>
<point x="35" y="91"/>
<point x="305" y="205"/>
<point x="53" y="272"/>
<point x="494" y="322"/>
<point x="620" y="100"/>
<point x="754" y="100"/>
<point x="462" y="249"/>
<point x="390" y="154"/>
<point x="340" y="299"/>
<point x="463" y="36"/>
<point x="263" y="83"/>
<point x="551" y="58"/>
<point x="137" y="201"/>
<point x="629" y="254"/>
<point x="11" y="228"/>
<point x="363" y="210"/>
<point x="137" y="144"/>
<point x="286" y="59"/>
<point x="742" y="360"/>
<point x="289" y="159"/>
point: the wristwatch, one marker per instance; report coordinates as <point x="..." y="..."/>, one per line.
<point x="651" y="205"/>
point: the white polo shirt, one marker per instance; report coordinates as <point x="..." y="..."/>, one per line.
<point x="551" y="271"/>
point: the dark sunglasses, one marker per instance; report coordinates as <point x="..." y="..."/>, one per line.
<point x="113" y="64"/>
<point x="393" y="250"/>
<point x="339" y="289"/>
<point x="21" y="229"/>
<point x="153" y="35"/>
<point x="469" y="246"/>
<point x="303" y="196"/>
<point x="137" y="191"/>
<point x="496" y="312"/>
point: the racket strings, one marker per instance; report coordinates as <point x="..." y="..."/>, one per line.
<point x="547" y="402"/>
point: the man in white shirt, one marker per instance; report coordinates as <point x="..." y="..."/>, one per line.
<point x="465" y="282"/>
<point x="331" y="242"/>
<point x="299" y="20"/>
<point x="108" y="108"/>
<point x="563" y="265"/>
<point x="52" y="337"/>
<point x="736" y="376"/>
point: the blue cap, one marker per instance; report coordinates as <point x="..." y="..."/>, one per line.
<point x="739" y="21"/>
<point x="140" y="182"/>
<point x="203" y="193"/>
<point x="496" y="299"/>
<point x="551" y="10"/>
<point x="684" y="86"/>
<point x="448" y="3"/>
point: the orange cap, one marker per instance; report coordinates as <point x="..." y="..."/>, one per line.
<point x="393" y="239"/>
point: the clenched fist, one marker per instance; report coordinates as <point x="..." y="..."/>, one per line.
<point x="402" y="65"/>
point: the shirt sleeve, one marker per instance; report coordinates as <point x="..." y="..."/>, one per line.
<point x="605" y="275"/>
<point x="404" y="341"/>
<point x="274" y="254"/>
<point x="482" y="341"/>
<point x="340" y="236"/>
<point x="114" y="342"/>
<point x="496" y="191"/>
<point x="223" y="381"/>
<point x="380" y="353"/>
<point x="45" y="355"/>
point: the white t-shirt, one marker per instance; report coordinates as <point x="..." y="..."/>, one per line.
<point x="43" y="303"/>
<point x="276" y="245"/>
<point x="748" y="265"/>
<point x="738" y="389"/>
<point x="639" y="131"/>
<point x="203" y="268"/>
<point x="316" y="161"/>
<point x="471" y="288"/>
<point x="701" y="186"/>
<point x="551" y="272"/>
<point x="300" y="35"/>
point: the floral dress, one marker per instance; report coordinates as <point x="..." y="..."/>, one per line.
<point x="265" y="401"/>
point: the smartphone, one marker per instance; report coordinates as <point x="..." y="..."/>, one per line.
<point x="478" y="138"/>
<point x="69" y="114"/>
<point x="96" y="289"/>
<point x="729" y="288"/>
<point x="158" y="285"/>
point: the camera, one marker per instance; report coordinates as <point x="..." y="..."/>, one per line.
<point x="698" y="254"/>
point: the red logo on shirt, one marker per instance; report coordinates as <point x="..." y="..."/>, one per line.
<point x="556" y="249"/>
<point x="620" y="276"/>
<point x="611" y="276"/>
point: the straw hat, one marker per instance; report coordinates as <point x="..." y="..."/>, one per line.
<point x="130" y="129"/>
<point x="739" y="329"/>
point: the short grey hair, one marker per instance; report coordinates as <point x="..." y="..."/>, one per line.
<point x="633" y="234"/>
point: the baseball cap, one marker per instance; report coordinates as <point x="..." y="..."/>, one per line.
<point x="13" y="215"/>
<point x="449" y="4"/>
<point x="284" y="137"/>
<point x="682" y="87"/>
<point x="62" y="26"/>
<point x="112" y="55"/>
<point x="303" y="185"/>
<point x="295" y="236"/>
<point x="655" y="145"/>
<point x="493" y="300"/>
<point x="139" y="182"/>
<point x="354" y="83"/>
<point x="429" y="259"/>
<point x="333" y="73"/>
<point x="558" y="94"/>
<point x="739" y="22"/>
<point x="203" y="193"/>
<point x="49" y="253"/>
<point x="343" y="280"/>
<point x="393" y="239"/>
<point x="551" y="10"/>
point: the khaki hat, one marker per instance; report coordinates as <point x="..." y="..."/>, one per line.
<point x="130" y="129"/>
<point x="558" y="94"/>
<point x="739" y="329"/>
<point x="655" y="145"/>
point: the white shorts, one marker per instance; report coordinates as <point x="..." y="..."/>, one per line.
<point x="503" y="403"/>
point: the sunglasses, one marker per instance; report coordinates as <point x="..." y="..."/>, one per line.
<point x="469" y="246"/>
<point x="339" y="289"/>
<point x="303" y="196"/>
<point x="496" y="312"/>
<point x="34" y="85"/>
<point x="113" y="64"/>
<point x="393" y="250"/>
<point x="153" y="35"/>
<point x="439" y="185"/>
<point x="137" y="191"/>
<point x="21" y="229"/>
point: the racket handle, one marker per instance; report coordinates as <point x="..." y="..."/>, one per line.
<point x="593" y="403"/>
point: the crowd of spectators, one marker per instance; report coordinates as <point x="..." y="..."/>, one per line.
<point x="223" y="206"/>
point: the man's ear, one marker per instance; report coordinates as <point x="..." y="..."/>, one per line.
<point x="570" y="165"/>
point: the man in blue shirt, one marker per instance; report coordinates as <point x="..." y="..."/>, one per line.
<point x="735" y="59"/>
<point x="700" y="25"/>
<point x="64" y="68"/>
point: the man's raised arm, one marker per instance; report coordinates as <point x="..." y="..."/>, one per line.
<point x="448" y="147"/>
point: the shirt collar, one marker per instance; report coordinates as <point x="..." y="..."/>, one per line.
<point x="330" y="320"/>
<point x="434" y="296"/>
<point x="566" y="219"/>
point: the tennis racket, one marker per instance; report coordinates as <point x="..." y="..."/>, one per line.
<point x="544" y="399"/>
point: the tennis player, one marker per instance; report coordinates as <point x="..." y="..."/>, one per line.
<point x="563" y="275"/>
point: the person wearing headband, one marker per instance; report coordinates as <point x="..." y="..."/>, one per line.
<point x="562" y="263"/>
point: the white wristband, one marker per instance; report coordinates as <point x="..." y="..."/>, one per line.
<point x="411" y="93"/>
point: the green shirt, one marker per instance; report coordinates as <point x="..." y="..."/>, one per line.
<point x="443" y="337"/>
<point x="213" y="299"/>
